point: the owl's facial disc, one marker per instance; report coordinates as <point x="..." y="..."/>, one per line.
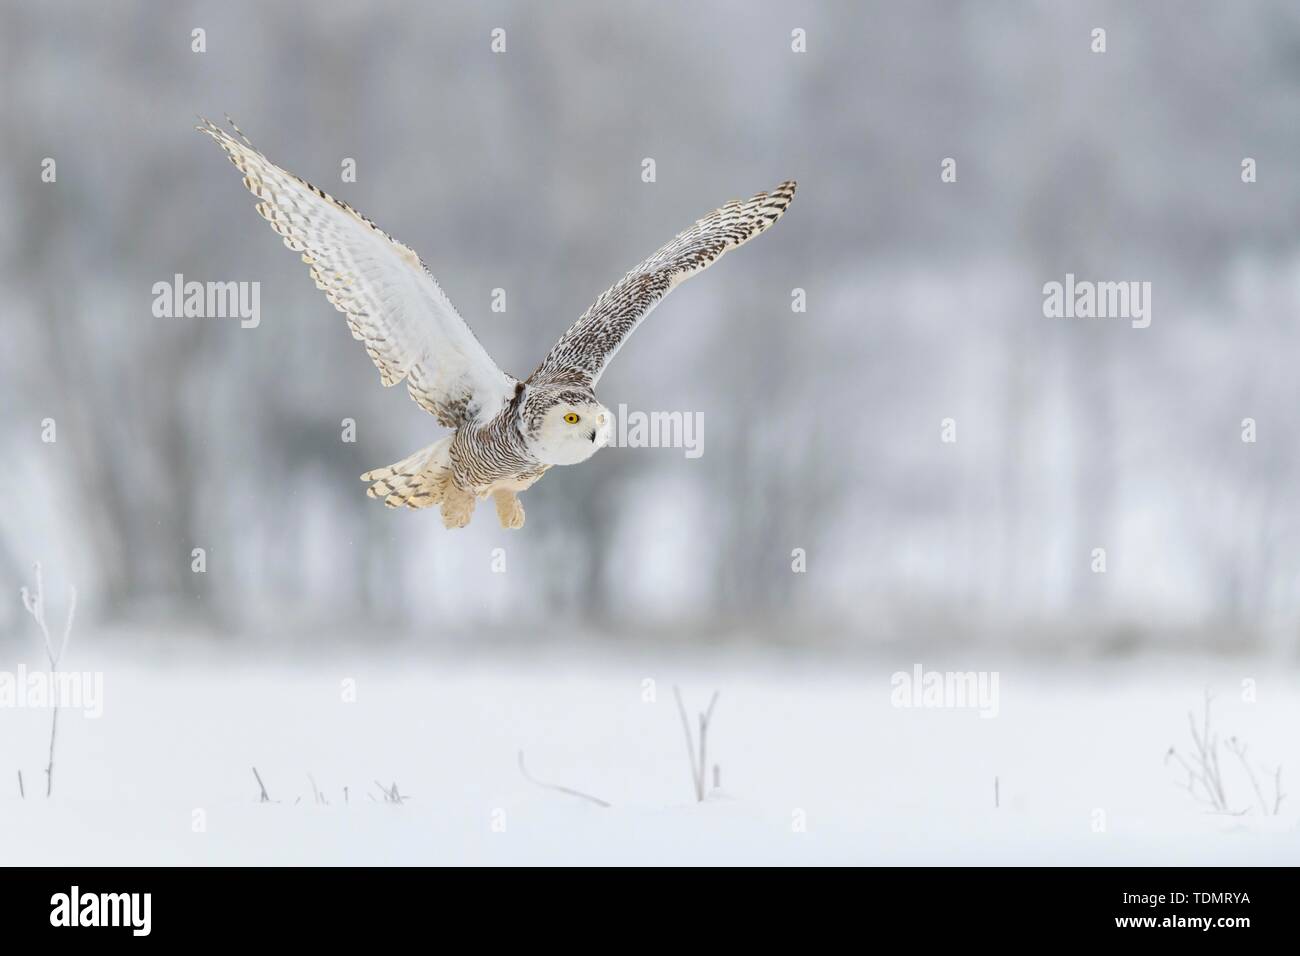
<point x="571" y="433"/>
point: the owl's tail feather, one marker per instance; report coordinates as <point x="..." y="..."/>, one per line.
<point x="418" y="481"/>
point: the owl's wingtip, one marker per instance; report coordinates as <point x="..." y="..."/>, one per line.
<point x="781" y="194"/>
<point x="778" y="198"/>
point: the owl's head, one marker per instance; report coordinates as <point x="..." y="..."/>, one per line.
<point x="563" y="426"/>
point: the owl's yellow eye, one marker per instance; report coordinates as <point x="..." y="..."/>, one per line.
<point x="571" y="418"/>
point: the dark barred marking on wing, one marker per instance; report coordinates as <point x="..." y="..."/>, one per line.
<point x="584" y="351"/>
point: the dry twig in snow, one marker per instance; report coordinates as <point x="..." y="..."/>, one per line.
<point x="697" y="767"/>
<point x="556" y="787"/>
<point x="392" y="794"/>
<point x="265" y="797"/>
<point x="1204" y="776"/>
<point x="34" y="602"/>
<point x="1238" y="749"/>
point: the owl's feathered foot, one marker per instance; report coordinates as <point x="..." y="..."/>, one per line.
<point x="509" y="511"/>
<point x="457" y="507"/>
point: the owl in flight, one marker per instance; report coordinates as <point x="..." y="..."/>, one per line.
<point x="507" y="432"/>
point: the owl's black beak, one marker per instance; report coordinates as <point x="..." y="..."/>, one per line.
<point x="592" y="434"/>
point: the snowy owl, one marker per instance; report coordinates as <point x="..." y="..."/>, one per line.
<point x="506" y="432"/>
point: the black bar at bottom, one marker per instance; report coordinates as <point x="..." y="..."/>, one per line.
<point x="577" y="908"/>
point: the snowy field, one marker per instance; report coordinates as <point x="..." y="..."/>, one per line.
<point x="816" y="764"/>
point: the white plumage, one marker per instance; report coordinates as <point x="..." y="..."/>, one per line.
<point x="507" y="432"/>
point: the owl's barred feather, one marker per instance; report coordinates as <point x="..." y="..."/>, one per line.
<point x="393" y="305"/>
<point x="587" y="347"/>
<point x="507" y="432"/>
<point x="417" y="481"/>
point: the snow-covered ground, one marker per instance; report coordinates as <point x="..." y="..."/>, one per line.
<point x="817" y="765"/>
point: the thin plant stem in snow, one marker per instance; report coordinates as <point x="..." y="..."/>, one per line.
<point x="697" y="766"/>
<point x="557" y="787"/>
<point x="34" y="602"/>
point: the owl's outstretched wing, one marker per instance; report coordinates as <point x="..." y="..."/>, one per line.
<point x="587" y="347"/>
<point x="393" y="305"/>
